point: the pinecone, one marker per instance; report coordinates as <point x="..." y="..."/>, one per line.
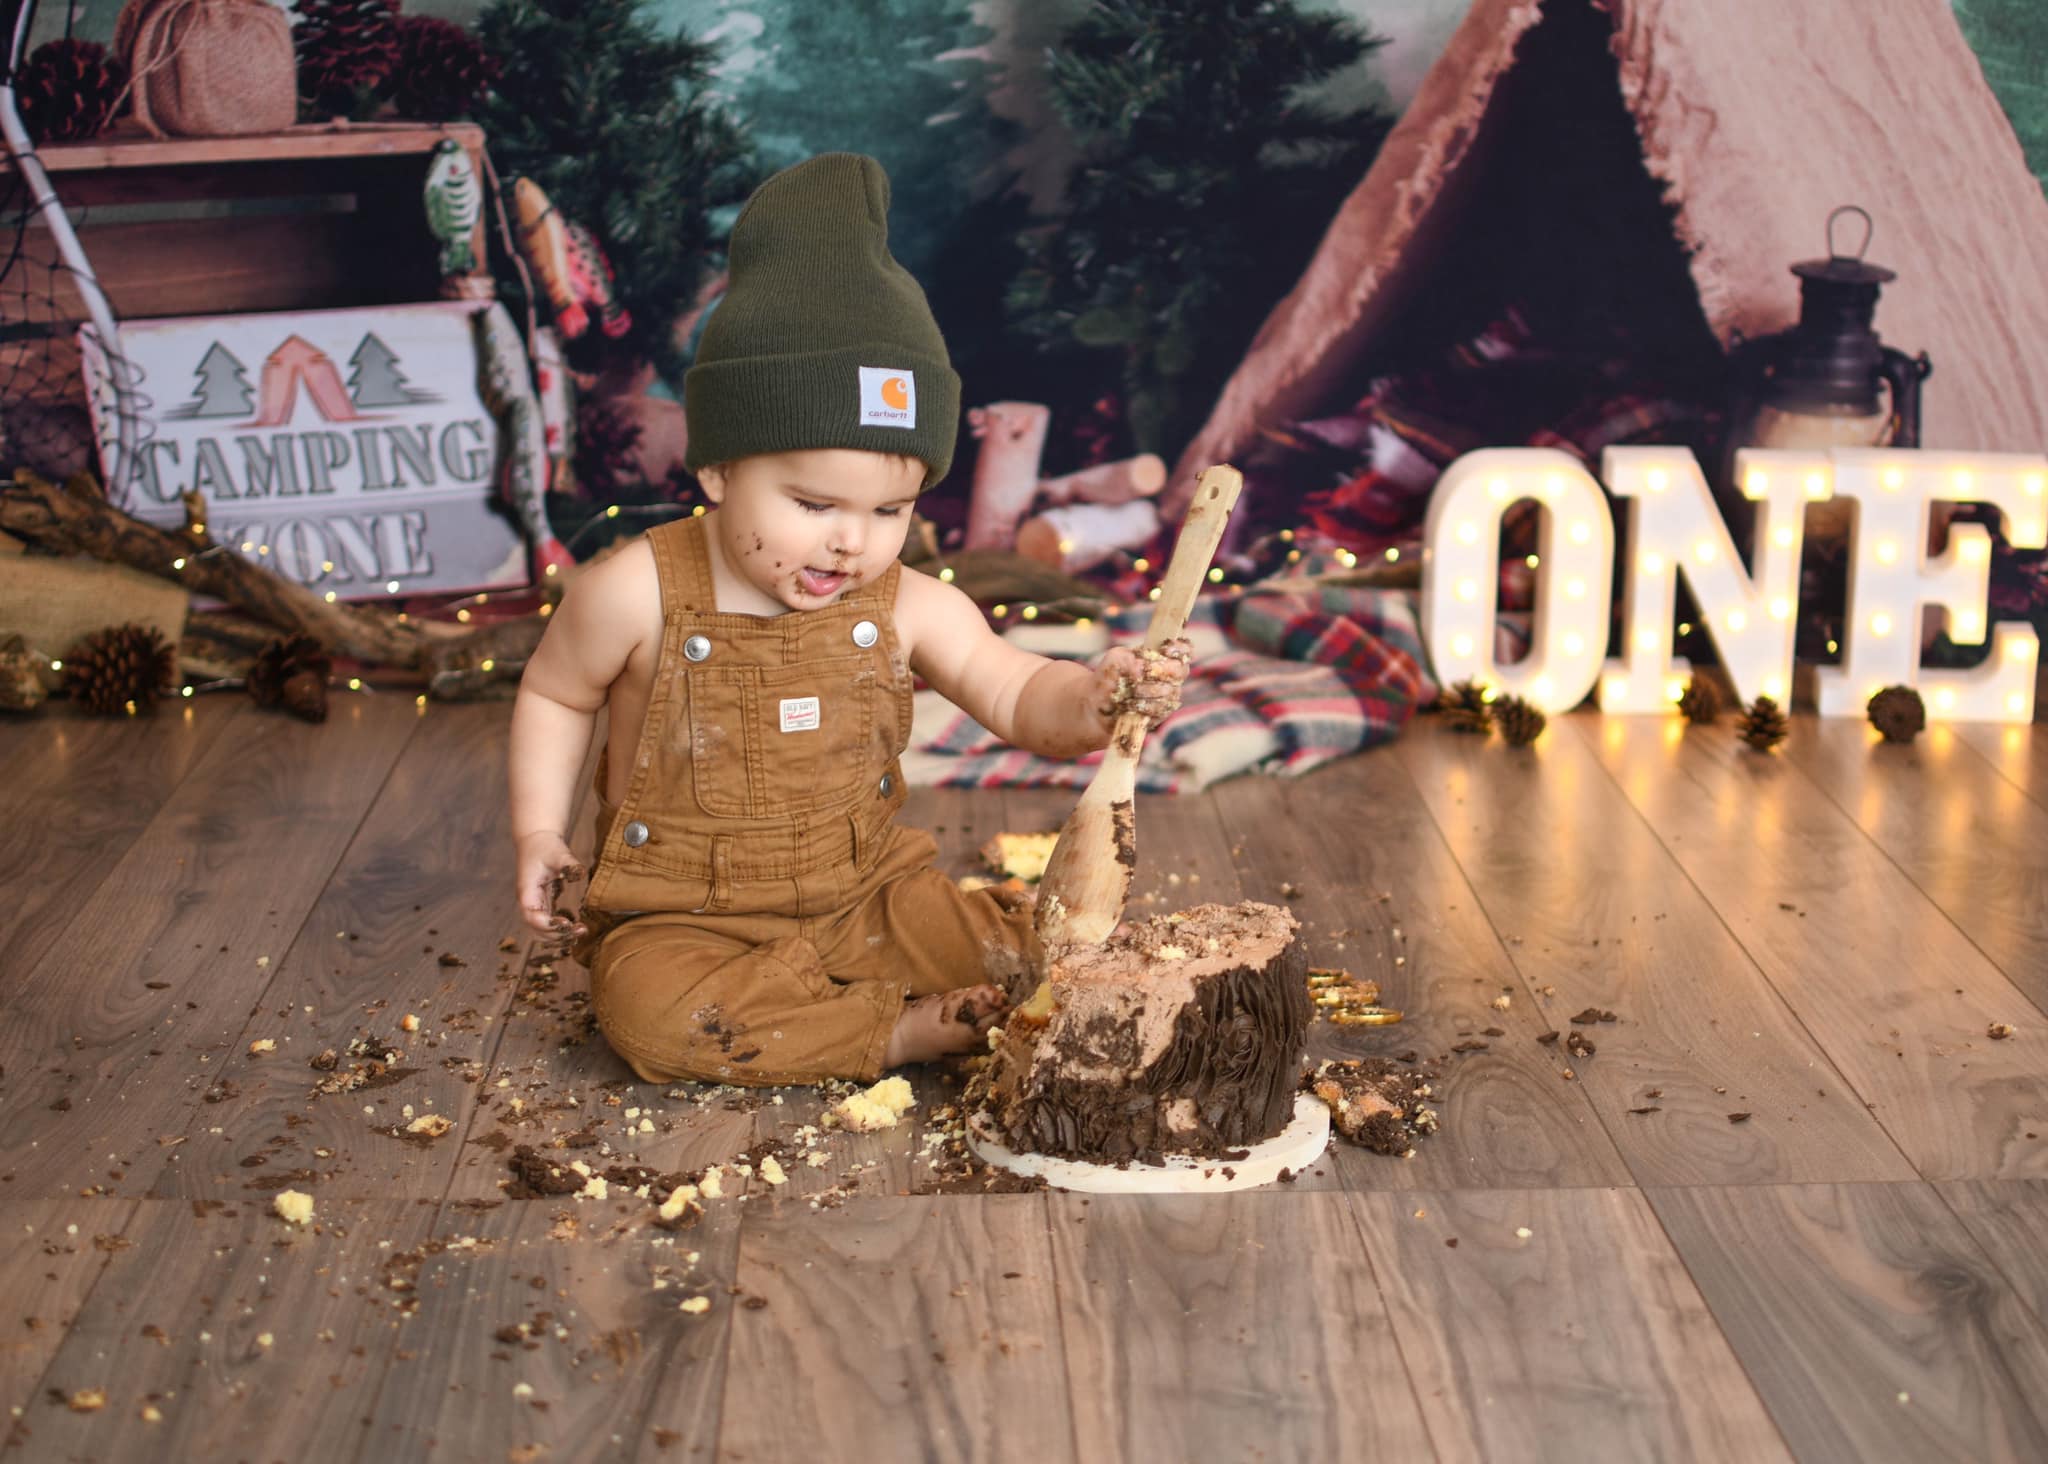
<point x="126" y="668"/>
<point x="291" y="672"/>
<point x="68" y="90"/>
<point x="347" y="49"/>
<point x="1520" y="722"/>
<point x="1465" y="708"/>
<point x="1763" y="725"/>
<point x="1701" y="702"/>
<point x="1898" y="713"/>
<point x="441" y="71"/>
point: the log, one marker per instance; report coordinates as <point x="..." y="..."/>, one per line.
<point x="79" y="523"/>
<point x="1012" y="436"/>
<point x="1077" y="538"/>
<point x="1117" y="482"/>
<point x="485" y="663"/>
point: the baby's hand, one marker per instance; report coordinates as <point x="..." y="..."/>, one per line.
<point x="1131" y="680"/>
<point x="544" y="865"/>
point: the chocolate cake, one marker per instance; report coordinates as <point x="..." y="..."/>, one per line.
<point x="1183" y="1034"/>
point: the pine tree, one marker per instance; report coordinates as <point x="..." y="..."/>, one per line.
<point x="224" y="389"/>
<point x="376" y="380"/>
<point x="1205" y="180"/>
<point x="615" y="120"/>
<point x="906" y="81"/>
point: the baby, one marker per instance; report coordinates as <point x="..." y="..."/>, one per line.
<point x="756" y="914"/>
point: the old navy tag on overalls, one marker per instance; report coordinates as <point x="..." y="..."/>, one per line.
<point x="799" y="714"/>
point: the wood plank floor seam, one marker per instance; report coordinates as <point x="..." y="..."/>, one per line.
<point x="42" y="1379"/>
<point x="2036" y="1303"/>
<point x="1762" y="971"/>
<point x="2031" y="1000"/>
<point x="1748" y="1370"/>
<point x="1401" y="1350"/>
<point x="343" y="847"/>
<point x="1507" y="950"/>
<point x="1974" y="735"/>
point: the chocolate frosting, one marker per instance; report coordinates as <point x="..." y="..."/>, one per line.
<point x="1226" y="1077"/>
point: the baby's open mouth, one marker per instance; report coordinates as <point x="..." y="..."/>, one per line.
<point x="821" y="581"/>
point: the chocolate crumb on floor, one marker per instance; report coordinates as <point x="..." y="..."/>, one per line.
<point x="1374" y="1103"/>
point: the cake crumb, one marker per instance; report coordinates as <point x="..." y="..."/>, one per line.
<point x="696" y="1306"/>
<point x="86" y="1400"/>
<point x="712" y="1185"/>
<point x="293" y="1206"/>
<point x="771" y="1170"/>
<point x="1523" y="1232"/>
<point x="1999" y="1031"/>
<point x="409" y="1022"/>
<point x="879" y="1107"/>
<point x="681" y="1200"/>
<point x="1020" y="856"/>
<point x="262" y="1044"/>
<point x="433" y="1125"/>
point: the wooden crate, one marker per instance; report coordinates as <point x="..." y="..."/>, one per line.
<point x="315" y="217"/>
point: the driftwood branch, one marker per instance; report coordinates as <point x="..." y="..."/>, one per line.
<point x="68" y="521"/>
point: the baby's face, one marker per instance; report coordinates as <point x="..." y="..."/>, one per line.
<point x="800" y="529"/>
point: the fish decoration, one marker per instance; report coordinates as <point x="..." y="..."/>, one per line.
<point x="590" y="274"/>
<point x="454" y="202"/>
<point x="508" y="392"/>
<point x="557" y="406"/>
<point x="569" y="263"/>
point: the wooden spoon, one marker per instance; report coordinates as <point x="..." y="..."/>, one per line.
<point x="1087" y="879"/>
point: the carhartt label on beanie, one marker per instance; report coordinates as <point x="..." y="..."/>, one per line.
<point x="822" y="339"/>
<point x="888" y="398"/>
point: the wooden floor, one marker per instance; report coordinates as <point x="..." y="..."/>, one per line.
<point x="1795" y="1206"/>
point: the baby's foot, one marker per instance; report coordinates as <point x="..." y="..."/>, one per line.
<point x="951" y="1021"/>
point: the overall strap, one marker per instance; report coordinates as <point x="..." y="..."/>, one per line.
<point x="682" y="560"/>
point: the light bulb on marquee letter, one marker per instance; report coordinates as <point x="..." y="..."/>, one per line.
<point x="1891" y="578"/>
<point x="1675" y="527"/>
<point x="1575" y="565"/>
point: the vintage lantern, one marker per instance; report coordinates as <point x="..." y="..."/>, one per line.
<point x="1828" y="381"/>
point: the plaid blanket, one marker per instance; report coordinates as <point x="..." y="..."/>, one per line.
<point x="1284" y="680"/>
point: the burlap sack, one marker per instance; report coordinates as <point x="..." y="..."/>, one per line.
<point x="209" y="68"/>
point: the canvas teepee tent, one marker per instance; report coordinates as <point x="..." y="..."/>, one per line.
<point x="1753" y="118"/>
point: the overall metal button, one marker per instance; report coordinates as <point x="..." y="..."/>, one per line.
<point x="888" y="785"/>
<point x="696" y="648"/>
<point x="865" y="633"/>
<point x="636" y="834"/>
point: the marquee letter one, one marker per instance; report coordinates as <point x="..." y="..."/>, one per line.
<point x="1575" y="566"/>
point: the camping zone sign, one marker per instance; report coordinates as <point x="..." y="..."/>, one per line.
<point x="349" y="450"/>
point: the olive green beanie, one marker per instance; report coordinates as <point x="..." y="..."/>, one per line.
<point x="822" y="339"/>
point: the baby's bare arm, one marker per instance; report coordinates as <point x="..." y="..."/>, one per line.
<point x="1053" y="708"/>
<point x="588" y="642"/>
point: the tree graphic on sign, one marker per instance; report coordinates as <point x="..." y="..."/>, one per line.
<point x="223" y="390"/>
<point x="377" y="381"/>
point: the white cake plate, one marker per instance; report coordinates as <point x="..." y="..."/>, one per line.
<point x="1294" y="1148"/>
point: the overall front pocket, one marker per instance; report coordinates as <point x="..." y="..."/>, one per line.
<point x="766" y="741"/>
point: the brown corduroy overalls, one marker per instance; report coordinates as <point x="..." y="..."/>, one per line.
<point x="756" y="914"/>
